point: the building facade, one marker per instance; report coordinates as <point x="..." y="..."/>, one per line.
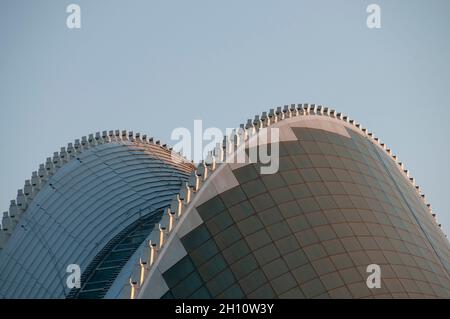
<point x="339" y="202"/>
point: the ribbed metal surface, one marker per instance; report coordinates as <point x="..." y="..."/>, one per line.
<point x="84" y="205"/>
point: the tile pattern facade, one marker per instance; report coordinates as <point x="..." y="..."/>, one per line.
<point x="336" y="205"/>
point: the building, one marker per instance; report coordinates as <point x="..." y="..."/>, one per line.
<point x="340" y="201"/>
<point x="91" y="204"/>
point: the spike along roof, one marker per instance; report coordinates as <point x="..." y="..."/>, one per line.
<point x="179" y="201"/>
<point x="77" y="201"/>
<point x="151" y="249"/>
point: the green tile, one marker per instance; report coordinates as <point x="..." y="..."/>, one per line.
<point x="263" y="292"/>
<point x="187" y="286"/>
<point x="211" y="208"/>
<point x="308" y="205"/>
<point x="253" y="281"/>
<point x="220" y="222"/>
<point x="233" y="196"/>
<point x="241" y="211"/>
<point x="227" y="237"/>
<point x="266" y="254"/>
<point x="178" y="271"/>
<point x="245" y="173"/>
<point x="272" y="181"/>
<point x="287" y="245"/>
<point x="270" y="216"/>
<point x="201" y="293"/>
<point x="295" y="259"/>
<point x="283" y="283"/>
<point x="279" y="230"/>
<point x="236" y="251"/>
<point x="292" y="177"/>
<point x="304" y="273"/>
<point x="233" y="292"/>
<point x="258" y="239"/>
<point x="212" y="267"/>
<point x="300" y="191"/>
<point x="244" y="266"/>
<point x="275" y="268"/>
<point x="221" y="282"/>
<point x="281" y="195"/>
<point x="204" y="252"/>
<point x="262" y="202"/>
<point x="249" y="225"/>
<point x="254" y="187"/>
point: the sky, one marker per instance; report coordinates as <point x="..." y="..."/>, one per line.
<point x="152" y="66"/>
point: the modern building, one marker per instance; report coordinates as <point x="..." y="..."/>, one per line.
<point x="91" y="204"/>
<point x="143" y="224"/>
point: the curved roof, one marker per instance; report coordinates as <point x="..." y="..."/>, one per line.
<point x="77" y="202"/>
<point x="210" y="170"/>
<point x="91" y="160"/>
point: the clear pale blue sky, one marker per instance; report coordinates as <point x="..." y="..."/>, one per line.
<point x="151" y="66"/>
